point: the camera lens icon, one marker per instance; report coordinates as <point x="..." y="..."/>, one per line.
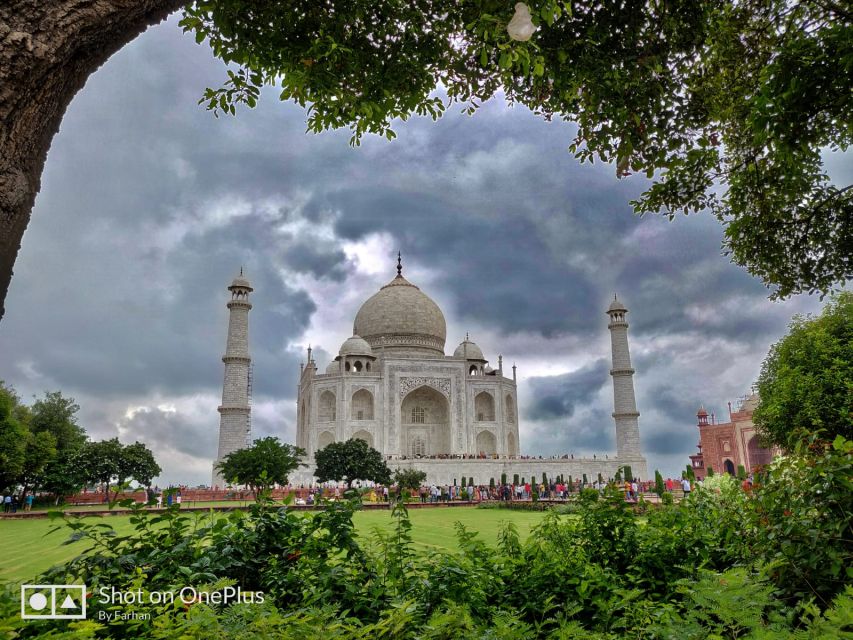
<point x="38" y="601"/>
<point x="53" y="601"/>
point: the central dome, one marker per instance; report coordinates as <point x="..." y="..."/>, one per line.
<point x="400" y="319"/>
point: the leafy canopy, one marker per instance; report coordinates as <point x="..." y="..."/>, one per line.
<point x="111" y="462"/>
<point x="409" y="479"/>
<point x="56" y="415"/>
<point x="806" y="381"/>
<point x="351" y="460"/>
<point x="728" y="105"/>
<point x="266" y="463"/>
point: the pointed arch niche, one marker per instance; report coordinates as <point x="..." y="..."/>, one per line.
<point x="425" y="421"/>
<point x="361" y="406"/>
<point x="484" y="407"/>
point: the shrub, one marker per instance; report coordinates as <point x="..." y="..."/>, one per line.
<point x="802" y="520"/>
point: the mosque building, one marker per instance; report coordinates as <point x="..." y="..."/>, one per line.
<point x="392" y="385"/>
<point x="726" y="447"/>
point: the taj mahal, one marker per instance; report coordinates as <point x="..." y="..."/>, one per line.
<point x="393" y="385"/>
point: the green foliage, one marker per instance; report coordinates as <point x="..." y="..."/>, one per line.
<point x="721" y="564"/>
<point x="13" y="437"/>
<point x="629" y="476"/>
<point x="112" y="463"/>
<point x="265" y="464"/>
<point x="350" y="461"/>
<point x="802" y="519"/>
<point x="689" y="474"/>
<point x="57" y="415"/>
<point x="491" y="483"/>
<point x="463" y="482"/>
<point x="503" y="478"/>
<point x="806" y="379"/>
<point x="409" y="479"/>
<point x="39" y="444"/>
<point x="744" y="95"/>
<point x="660" y="488"/>
<point x="710" y="472"/>
<point x="741" y="472"/>
<point x="515" y="478"/>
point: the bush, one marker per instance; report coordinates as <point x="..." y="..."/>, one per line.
<point x="720" y="564"/>
<point x="801" y="520"/>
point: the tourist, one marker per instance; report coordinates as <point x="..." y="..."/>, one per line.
<point x="685" y="486"/>
<point x="635" y="489"/>
<point x="7" y="504"/>
<point x="28" y="502"/>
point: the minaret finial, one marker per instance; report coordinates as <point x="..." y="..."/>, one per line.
<point x="399" y="265"/>
<point x="241" y="269"/>
<point x="466" y="336"/>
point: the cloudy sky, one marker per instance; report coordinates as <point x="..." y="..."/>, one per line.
<point x="150" y="205"/>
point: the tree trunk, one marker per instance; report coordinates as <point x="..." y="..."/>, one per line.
<point x="48" y="48"/>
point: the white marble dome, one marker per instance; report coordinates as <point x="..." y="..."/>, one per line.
<point x="470" y="350"/>
<point x="355" y="346"/>
<point x="241" y="282"/>
<point x="333" y="368"/>
<point x="616" y="305"/>
<point x="401" y="316"/>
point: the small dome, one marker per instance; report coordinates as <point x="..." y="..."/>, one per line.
<point x="333" y="368"/>
<point x="470" y="350"/>
<point x="355" y="346"/>
<point x="240" y="282"/>
<point x="702" y="413"/>
<point x="616" y="305"/>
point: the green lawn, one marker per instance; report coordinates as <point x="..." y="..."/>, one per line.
<point x="27" y="550"/>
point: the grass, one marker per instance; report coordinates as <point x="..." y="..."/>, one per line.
<point x="29" y="549"/>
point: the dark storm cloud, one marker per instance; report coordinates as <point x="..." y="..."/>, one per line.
<point x="672" y="441"/>
<point x="150" y="205"/>
<point x="305" y="256"/>
<point x="172" y="430"/>
<point x="672" y="404"/>
<point x="498" y="271"/>
<point x="558" y="396"/>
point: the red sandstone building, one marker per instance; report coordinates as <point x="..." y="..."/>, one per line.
<point x="726" y="446"/>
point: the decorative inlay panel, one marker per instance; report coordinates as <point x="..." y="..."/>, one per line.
<point x="410" y="384"/>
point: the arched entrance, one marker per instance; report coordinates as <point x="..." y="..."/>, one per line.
<point x="326" y="438"/>
<point x="729" y="467"/>
<point x="425" y="422"/>
<point x="364" y="435"/>
<point x="487" y="443"/>
<point x="511" y="447"/>
<point x="484" y="407"/>
<point x="362" y="405"/>
<point x="758" y="455"/>
<point x="327" y="411"/>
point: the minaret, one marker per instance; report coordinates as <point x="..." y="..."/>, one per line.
<point x="624" y="404"/>
<point x="234" y="425"/>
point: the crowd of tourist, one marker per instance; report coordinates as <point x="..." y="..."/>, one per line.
<point x="12" y="503"/>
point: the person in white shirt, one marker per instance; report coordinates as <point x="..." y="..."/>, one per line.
<point x="685" y="486"/>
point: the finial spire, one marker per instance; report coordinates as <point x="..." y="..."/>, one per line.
<point x="241" y="269"/>
<point x="399" y="264"/>
<point x="466" y="336"/>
